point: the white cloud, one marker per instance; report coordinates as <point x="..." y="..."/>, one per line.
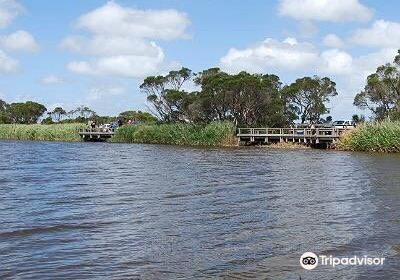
<point x="101" y="92"/>
<point x="19" y="41"/>
<point x="114" y="20"/>
<point x="122" y="65"/>
<point x="103" y="45"/>
<point x="9" y="9"/>
<point x="51" y="79"/>
<point x="336" y="62"/>
<point x="7" y="64"/>
<point x="367" y="64"/>
<point x="333" y="41"/>
<point x="382" y="33"/>
<point x="325" y="10"/>
<point x="122" y="40"/>
<point x="270" y="54"/>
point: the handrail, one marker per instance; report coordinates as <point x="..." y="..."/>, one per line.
<point x="97" y="130"/>
<point x="288" y="131"/>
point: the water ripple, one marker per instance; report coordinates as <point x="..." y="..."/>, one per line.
<point x="102" y="211"/>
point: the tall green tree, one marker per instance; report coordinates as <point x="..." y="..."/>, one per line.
<point x="3" y="111"/>
<point x="381" y="94"/>
<point x="165" y="94"/>
<point x="214" y="99"/>
<point x="307" y="97"/>
<point x="57" y="114"/>
<point x="137" y="116"/>
<point x="85" y="112"/>
<point x="26" y="113"/>
<point x="245" y="99"/>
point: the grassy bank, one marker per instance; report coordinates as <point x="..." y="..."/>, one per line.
<point x="51" y="132"/>
<point x="213" y="134"/>
<point x="373" y="137"/>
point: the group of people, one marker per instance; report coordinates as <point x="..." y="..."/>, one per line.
<point x="112" y="126"/>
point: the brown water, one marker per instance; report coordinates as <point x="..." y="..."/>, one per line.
<point x="110" y="211"/>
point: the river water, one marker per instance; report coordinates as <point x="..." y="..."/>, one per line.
<point x="116" y="211"/>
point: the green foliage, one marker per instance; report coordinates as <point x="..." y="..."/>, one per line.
<point x="307" y="97"/>
<point x="213" y="134"/>
<point x="57" y="114"/>
<point x="245" y="99"/>
<point x="137" y="116"/>
<point x="48" y="120"/>
<point x="373" y="137"/>
<point x="165" y="94"/>
<point x="3" y="111"/>
<point x="358" y="118"/>
<point x="26" y="113"/>
<point x="52" y="132"/>
<point x="381" y="94"/>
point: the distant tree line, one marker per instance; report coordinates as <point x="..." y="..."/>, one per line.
<point x="262" y="100"/>
<point x="26" y="113"/>
<point x="243" y="98"/>
<point x="32" y="112"/>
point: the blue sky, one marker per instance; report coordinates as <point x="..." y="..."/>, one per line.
<point x="96" y="53"/>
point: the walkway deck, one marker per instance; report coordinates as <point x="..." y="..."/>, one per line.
<point x="324" y="136"/>
<point x="96" y="134"/>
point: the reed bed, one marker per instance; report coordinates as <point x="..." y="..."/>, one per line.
<point x="51" y="132"/>
<point x="373" y="137"/>
<point x="213" y="134"/>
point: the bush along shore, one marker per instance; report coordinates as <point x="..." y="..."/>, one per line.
<point x="213" y="134"/>
<point x="51" y="132"/>
<point x="373" y="137"/>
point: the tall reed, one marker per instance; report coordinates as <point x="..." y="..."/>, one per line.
<point x="51" y="132"/>
<point x="373" y="137"/>
<point x="213" y="134"/>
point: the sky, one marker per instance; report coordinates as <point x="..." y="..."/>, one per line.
<point x="97" y="53"/>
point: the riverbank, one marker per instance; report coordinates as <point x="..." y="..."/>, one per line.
<point x="38" y="132"/>
<point x="372" y="137"/>
<point x="213" y="134"/>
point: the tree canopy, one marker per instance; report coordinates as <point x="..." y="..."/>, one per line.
<point x="381" y="94"/>
<point x="245" y="99"/>
<point x="57" y="114"/>
<point x="26" y="113"/>
<point x="166" y="95"/>
<point x="307" y="97"/>
<point x="138" y="116"/>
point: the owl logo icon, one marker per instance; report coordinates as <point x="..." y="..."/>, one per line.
<point x="309" y="260"/>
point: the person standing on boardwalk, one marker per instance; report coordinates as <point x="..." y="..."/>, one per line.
<point x="313" y="130"/>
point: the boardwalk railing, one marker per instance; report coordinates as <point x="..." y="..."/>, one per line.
<point x="307" y="135"/>
<point x="97" y="130"/>
<point x="96" y="134"/>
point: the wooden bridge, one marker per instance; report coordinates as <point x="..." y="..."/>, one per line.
<point x="96" y="134"/>
<point x="323" y="137"/>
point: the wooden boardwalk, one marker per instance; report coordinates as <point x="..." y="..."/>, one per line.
<point x="313" y="136"/>
<point x="96" y="134"/>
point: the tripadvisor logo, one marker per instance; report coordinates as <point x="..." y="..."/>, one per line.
<point x="309" y="260"/>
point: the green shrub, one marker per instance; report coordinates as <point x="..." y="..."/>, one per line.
<point x="213" y="134"/>
<point x="374" y="137"/>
